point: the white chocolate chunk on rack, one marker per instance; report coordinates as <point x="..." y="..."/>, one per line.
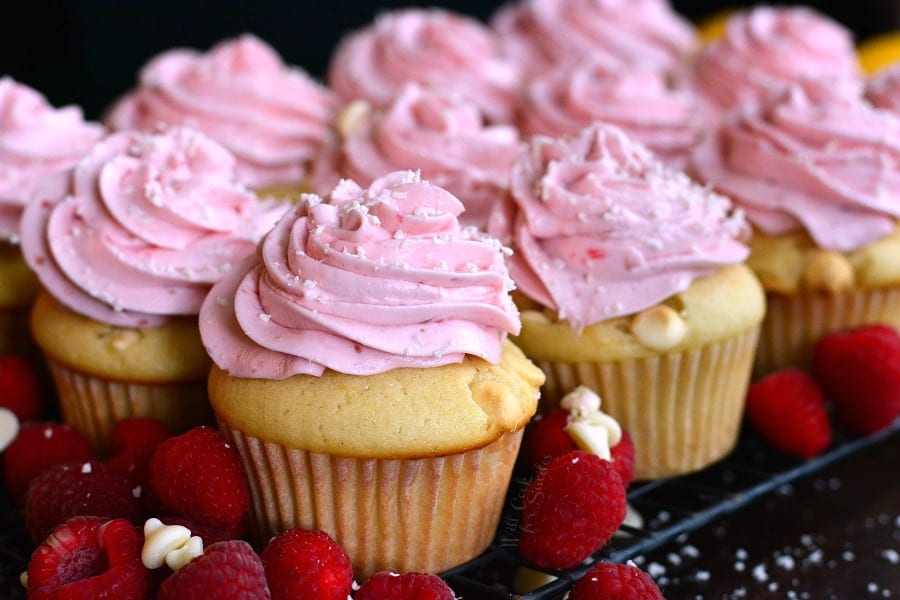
<point x="591" y="429"/>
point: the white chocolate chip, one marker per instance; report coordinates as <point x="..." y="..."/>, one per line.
<point x="23" y="579"/>
<point x="527" y="580"/>
<point x="123" y="339"/>
<point x="349" y="120"/>
<point x="161" y="541"/>
<point x="181" y="556"/>
<point x="659" y="328"/>
<point x="632" y="518"/>
<point x="828" y="271"/>
<point x="591" y="439"/>
<point x="591" y="429"/>
<point x="581" y="401"/>
<point x="9" y="427"/>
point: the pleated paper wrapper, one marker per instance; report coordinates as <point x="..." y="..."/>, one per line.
<point x="683" y="410"/>
<point x="403" y="515"/>
<point x="95" y="404"/>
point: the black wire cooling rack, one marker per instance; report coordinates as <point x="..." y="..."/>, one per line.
<point x="669" y="507"/>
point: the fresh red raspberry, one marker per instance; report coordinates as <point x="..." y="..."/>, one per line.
<point x="20" y="387"/>
<point x="132" y="444"/>
<point x="860" y="372"/>
<point x="623" y="458"/>
<point x="88" y="557"/>
<point x="208" y="533"/>
<point x="81" y="488"/>
<point x="37" y="447"/>
<point x="570" y="510"/>
<point x="788" y="410"/>
<point x="548" y="439"/>
<point x="199" y="476"/>
<point x="225" y="571"/>
<point x="409" y="586"/>
<point x="303" y="565"/>
<point x="615" y="582"/>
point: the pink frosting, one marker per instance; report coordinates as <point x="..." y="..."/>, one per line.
<point x="432" y="47"/>
<point x="766" y="48"/>
<point x="883" y="89"/>
<point x="816" y="157"/>
<point x="364" y="282"/>
<point x="37" y="142"/>
<point x="542" y="33"/>
<point x="146" y="225"/>
<point x="636" y="99"/>
<point x="274" y="119"/>
<point x="600" y="228"/>
<point x="442" y="135"/>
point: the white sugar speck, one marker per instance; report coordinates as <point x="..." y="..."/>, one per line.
<point x="86" y="468"/>
<point x="891" y="556"/>
<point x="759" y="573"/>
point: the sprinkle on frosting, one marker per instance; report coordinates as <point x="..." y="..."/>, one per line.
<point x="435" y="48"/>
<point x="272" y="117"/>
<point x="766" y="48"/>
<point x="377" y="300"/>
<point x="37" y="143"/>
<point x="444" y="135"/>
<point x="145" y="225"/>
<point x="600" y="228"/>
<point x="637" y="99"/>
<point x="540" y="34"/>
<point x="815" y="157"/>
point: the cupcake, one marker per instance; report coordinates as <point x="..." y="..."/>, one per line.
<point x="541" y="34"/>
<point x="766" y="48"/>
<point x="125" y="254"/>
<point x="636" y="99"/>
<point x="438" y="49"/>
<point x="441" y="134"/>
<point x="272" y="117"/>
<point x="362" y="371"/>
<point x="37" y="143"/>
<point x="631" y="283"/>
<point x="817" y="171"/>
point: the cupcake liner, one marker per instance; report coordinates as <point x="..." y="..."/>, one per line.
<point x="683" y="410"/>
<point x="794" y="324"/>
<point x="95" y="404"/>
<point x="403" y="515"/>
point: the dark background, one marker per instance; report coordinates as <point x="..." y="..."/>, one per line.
<point x="88" y="52"/>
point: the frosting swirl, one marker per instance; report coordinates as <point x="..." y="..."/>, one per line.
<point x="766" y="48"/>
<point x="636" y="99"/>
<point x="815" y="157"/>
<point x="367" y="281"/>
<point x="435" y="48"/>
<point x="37" y="142"/>
<point x="147" y="223"/>
<point x="274" y="119"/>
<point x="442" y="135"/>
<point x="601" y="229"/>
<point x="539" y="34"/>
<point x="883" y="89"/>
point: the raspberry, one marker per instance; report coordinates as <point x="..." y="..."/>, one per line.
<point x="788" y="410"/>
<point x="623" y="458"/>
<point x="860" y="372"/>
<point x="307" y="564"/>
<point x="71" y="489"/>
<point x="225" y="571"/>
<point x="615" y="582"/>
<point x="20" y="387"/>
<point x="409" y="586"/>
<point x="37" y="447"/>
<point x="570" y="510"/>
<point x="88" y="557"/>
<point x="132" y="444"/>
<point x="547" y="439"/>
<point x="199" y="476"/>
